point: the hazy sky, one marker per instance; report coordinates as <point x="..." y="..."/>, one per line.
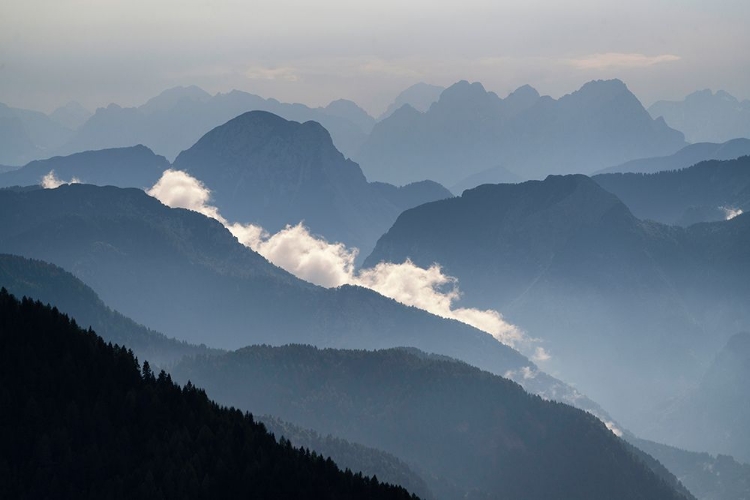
<point x="102" y="51"/>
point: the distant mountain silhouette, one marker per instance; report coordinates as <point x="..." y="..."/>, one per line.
<point x="174" y="120"/>
<point x="714" y="415"/>
<point x="26" y="135"/>
<point x="52" y="285"/>
<point x="72" y="115"/>
<point x="419" y="96"/>
<point x="630" y="310"/>
<point x="84" y="419"/>
<point x="708" y="477"/>
<point x="709" y="191"/>
<point x="135" y="166"/>
<point x="686" y="157"/>
<point x="706" y="117"/>
<point x="350" y="111"/>
<point x="473" y="433"/>
<point x="264" y="169"/>
<point x="469" y="130"/>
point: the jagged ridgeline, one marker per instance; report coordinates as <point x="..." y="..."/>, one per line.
<point x="81" y="419"/>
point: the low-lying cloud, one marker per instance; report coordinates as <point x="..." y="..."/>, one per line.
<point x="50" y="181"/>
<point x="731" y="213"/>
<point x="314" y="259"/>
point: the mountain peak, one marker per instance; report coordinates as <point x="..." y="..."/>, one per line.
<point x="463" y="90"/>
<point x="602" y="90"/>
<point x="350" y="110"/>
<point x="466" y="99"/>
<point x="171" y="97"/>
<point x="524" y="92"/>
<point x="420" y="96"/>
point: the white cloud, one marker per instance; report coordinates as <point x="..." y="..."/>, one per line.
<point x="314" y="259"/>
<point x="307" y="257"/>
<point x="619" y="60"/>
<point x="285" y="73"/>
<point x="178" y="189"/>
<point x="613" y="428"/>
<point x="731" y="213"/>
<point x="540" y="355"/>
<point x="50" y="181"/>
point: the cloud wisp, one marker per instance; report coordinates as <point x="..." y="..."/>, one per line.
<point x="50" y="181"/>
<point x="730" y="213"/>
<point x="616" y="60"/>
<point x="314" y="259"/>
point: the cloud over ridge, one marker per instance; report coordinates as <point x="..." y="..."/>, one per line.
<point x="314" y="259"/>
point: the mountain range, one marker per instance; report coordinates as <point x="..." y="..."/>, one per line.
<point x="88" y="421"/>
<point x="630" y="311"/>
<point x="709" y="191"/>
<point x="705" y="116"/>
<point x="684" y="158"/>
<point x="175" y="119"/>
<point x="469" y="130"/>
<point x="183" y="274"/>
<point x="36" y="279"/>
<point x="135" y="166"/>
<point x="473" y="434"/>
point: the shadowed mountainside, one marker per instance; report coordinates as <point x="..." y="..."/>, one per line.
<point x="477" y="435"/>
<point x="631" y="311"/>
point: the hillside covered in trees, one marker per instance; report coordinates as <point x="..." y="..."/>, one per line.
<point x="87" y="421"/>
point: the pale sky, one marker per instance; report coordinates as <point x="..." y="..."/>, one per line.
<point x="102" y="51"/>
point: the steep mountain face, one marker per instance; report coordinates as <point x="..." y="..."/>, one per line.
<point x="475" y="435"/>
<point x="704" y="116"/>
<point x="684" y="158"/>
<point x="469" y="130"/>
<point x="709" y="191"/>
<point x="714" y="415"/>
<point x="419" y="96"/>
<point x="177" y="118"/>
<point x="87" y="422"/>
<point x="52" y="285"/>
<point x="136" y="166"/>
<point x="568" y="262"/>
<point x="264" y="169"/>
